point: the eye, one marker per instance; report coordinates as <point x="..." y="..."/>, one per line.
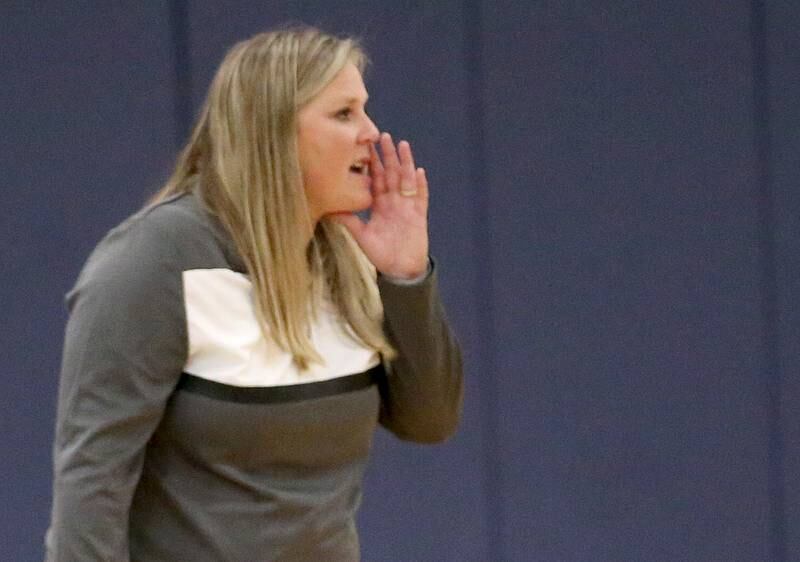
<point x="344" y="114"/>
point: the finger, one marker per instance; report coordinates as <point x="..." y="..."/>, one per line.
<point x="390" y="162"/>
<point x="408" y="179"/>
<point x="422" y="184"/>
<point x="376" y="171"/>
<point x="406" y="157"/>
<point x="388" y="151"/>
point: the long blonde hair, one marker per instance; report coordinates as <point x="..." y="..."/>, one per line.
<point x="242" y="159"/>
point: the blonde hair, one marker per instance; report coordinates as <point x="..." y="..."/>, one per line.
<point x="242" y="157"/>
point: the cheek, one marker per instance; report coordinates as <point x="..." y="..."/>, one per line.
<point x="325" y="154"/>
<point x="312" y="162"/>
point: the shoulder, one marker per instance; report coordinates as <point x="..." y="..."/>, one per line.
<point x="176" y="229"/>
<point x="150" y="249"/>
<point x="167" y="226"/>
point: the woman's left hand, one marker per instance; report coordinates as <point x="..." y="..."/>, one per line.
<point x="395" y="239"/>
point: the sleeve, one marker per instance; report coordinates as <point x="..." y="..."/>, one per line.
<point x="422" y="394"/>
<point x="124" y="350"/>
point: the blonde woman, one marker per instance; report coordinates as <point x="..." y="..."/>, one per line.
<point x="232" y="347"/>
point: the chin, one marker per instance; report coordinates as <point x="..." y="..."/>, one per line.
<point x="361" y="204"/>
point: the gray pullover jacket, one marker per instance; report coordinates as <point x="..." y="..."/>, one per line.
<point x="183" y="435"/>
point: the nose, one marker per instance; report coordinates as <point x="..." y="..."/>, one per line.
<point x="369" y="132"/>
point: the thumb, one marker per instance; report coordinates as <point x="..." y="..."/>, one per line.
<point x="351" y="222"/>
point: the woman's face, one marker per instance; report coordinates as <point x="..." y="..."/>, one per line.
<point x="334" y="135"/>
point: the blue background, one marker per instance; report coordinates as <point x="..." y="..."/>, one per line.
<point x="615" y="212"/>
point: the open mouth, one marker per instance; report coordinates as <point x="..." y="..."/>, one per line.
<point x="360" y="168"/>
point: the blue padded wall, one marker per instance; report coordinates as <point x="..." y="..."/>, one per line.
<point x="615" y="215"/>
<point x="88" y="127"/>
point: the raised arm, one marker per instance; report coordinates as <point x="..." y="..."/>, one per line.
<point x="423" y="391"/>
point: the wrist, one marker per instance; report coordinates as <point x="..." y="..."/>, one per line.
<point x="411" y="278"/>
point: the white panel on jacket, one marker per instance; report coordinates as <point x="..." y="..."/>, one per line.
<point x="226" y="344"/>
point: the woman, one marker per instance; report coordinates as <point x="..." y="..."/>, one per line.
<point x="231" y="347"/>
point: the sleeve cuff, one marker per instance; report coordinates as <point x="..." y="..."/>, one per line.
<point x="418" y="280"/>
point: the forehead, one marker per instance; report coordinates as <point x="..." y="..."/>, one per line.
<point x="346" y="86"/>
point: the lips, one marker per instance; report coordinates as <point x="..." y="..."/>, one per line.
<point x="360" y="168"/>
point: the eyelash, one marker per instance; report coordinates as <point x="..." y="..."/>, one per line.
<point x="344" y="114"/>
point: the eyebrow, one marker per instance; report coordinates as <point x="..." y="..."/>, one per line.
<point x="353" y="99"/>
